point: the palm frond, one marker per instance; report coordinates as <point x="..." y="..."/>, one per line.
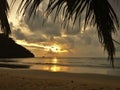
<point x="12" y="3"/>
<point x="106" y="22"/>
<point x="4" y="25"/>
<point x="31" y="4"/>
<point x="98" y="12"/>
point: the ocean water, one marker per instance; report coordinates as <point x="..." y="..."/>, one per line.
<point x="66" y="64"/>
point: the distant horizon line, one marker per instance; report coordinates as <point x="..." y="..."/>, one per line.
<point x="71" y="57"/>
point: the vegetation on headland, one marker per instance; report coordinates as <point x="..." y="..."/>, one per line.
<point x="9" y="49"/>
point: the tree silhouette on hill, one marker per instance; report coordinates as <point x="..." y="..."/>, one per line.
<point x="9" y="49"/>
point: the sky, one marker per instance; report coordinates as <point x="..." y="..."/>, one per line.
<point x="51" y="39"/>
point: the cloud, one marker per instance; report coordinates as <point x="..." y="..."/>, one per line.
<point x="76" y="43"/>
<point x="18" y="34"/>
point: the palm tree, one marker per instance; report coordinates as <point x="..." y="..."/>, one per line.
<point x="99" y="13"/>
<point x="4" y="25"/>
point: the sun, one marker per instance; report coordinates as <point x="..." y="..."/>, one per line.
<point x="56" y="49"/>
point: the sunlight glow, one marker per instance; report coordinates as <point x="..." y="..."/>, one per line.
<point x="52" y="49"/>
<point x="55" y="49"/>
<point x="23" y="42"/>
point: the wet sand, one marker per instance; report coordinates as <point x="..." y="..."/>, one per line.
<point x="14" y="79"/>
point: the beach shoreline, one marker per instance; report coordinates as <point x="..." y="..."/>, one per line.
<point x="16" y="79"/>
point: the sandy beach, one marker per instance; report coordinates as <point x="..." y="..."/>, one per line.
<point x="13" y="79"/>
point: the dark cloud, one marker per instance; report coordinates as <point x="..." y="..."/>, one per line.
<point x="18" y="34"/>
<point x="49" y="29"/>
<point x="36" y="38"/>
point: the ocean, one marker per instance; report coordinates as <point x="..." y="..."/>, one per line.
<point x="64" y="64"/>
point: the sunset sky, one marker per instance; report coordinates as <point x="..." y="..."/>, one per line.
<point x="52" y="40"/>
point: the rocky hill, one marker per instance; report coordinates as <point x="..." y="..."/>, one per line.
<point x="10" y="49"/>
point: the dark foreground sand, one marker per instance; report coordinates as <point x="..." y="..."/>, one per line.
<point x="41" y="80"/>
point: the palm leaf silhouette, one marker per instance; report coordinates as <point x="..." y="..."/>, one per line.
<point x="99" y="13"/>
<point x="4" y="25"/>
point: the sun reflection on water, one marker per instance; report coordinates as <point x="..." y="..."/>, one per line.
<point x="54" y="60"/>
<point x="51" y="68"/>
<point x="55" y="68"/>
